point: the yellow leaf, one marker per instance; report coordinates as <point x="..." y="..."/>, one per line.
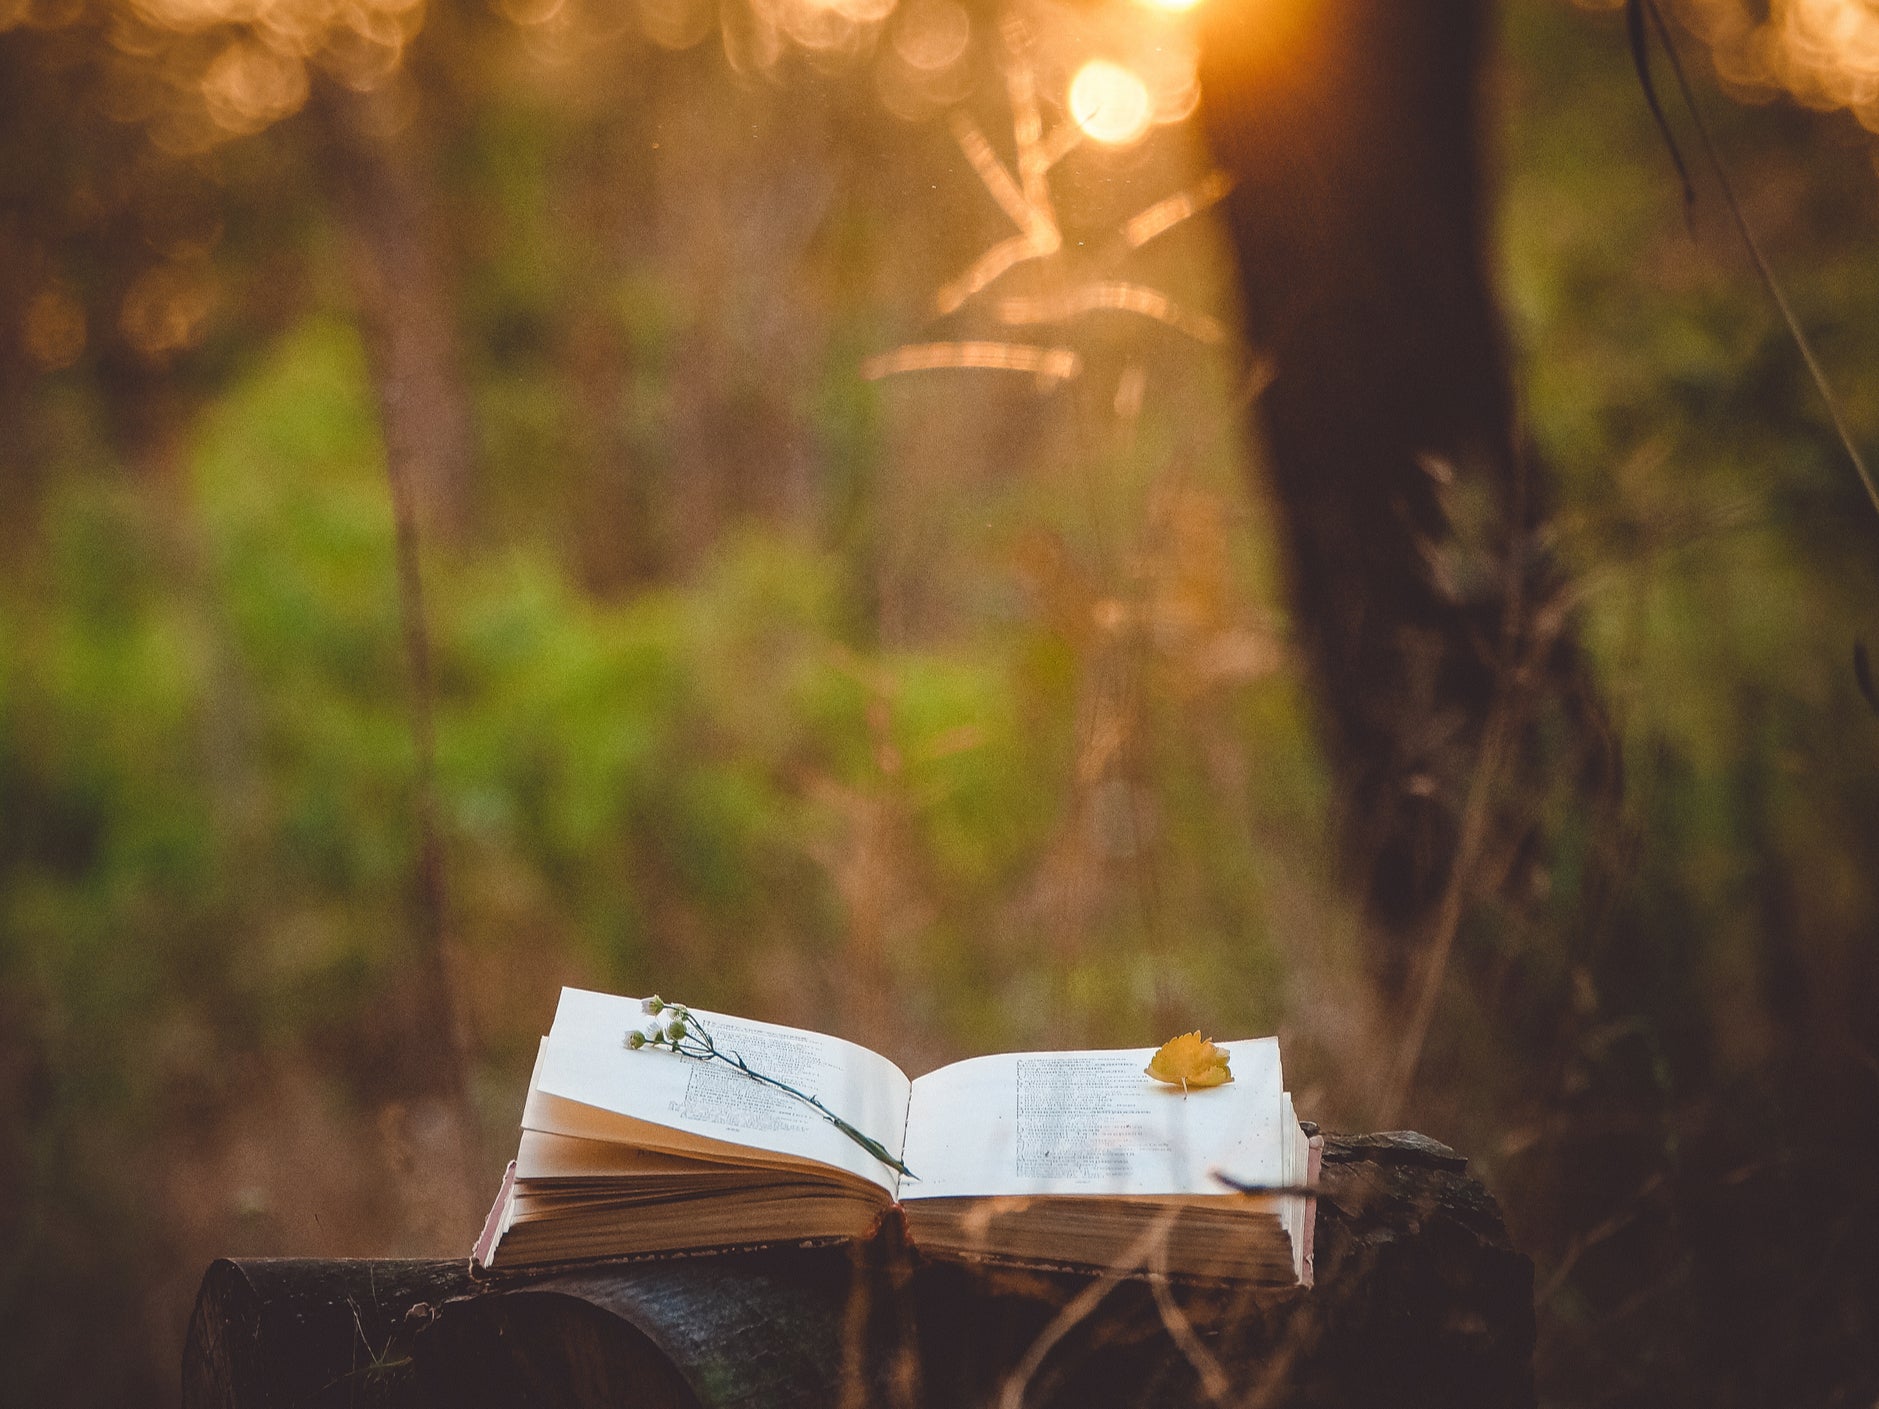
<point x="1191" y="1060"/>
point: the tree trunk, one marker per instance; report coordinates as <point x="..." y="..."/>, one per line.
<point x="1412" y="524"/>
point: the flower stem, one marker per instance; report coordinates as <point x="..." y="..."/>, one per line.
<point x="696" y="1042"/>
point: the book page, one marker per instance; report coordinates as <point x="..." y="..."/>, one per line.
<point x="1092" y="1123"/>
<point x="693" y="1104"/>
<point x="545" y="1158"/>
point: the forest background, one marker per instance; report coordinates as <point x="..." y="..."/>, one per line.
<point x="948" y="709"/>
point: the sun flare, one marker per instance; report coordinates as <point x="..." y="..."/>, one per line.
<point x="1110" y="103"/>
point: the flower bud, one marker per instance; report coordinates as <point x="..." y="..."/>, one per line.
<point x="636" y="1039"/>
<point x="675" y="1029"/>
<point x="652" y="1006"/>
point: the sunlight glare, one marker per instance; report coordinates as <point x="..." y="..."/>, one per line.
<point x="1824" y="52"/>
<point x="1110" y="103"/>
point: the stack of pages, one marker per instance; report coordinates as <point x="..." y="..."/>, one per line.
<point x="1072" y="1159"/>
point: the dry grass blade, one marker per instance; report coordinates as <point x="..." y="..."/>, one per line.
<point x="1113" y="295"/>
<point x="1027" y="125"/>
<point x="1214" y="1381"/>
<point x="1038" y="237"/>
<point x="1149" y="1246"/>
<point x="985" y="269"/>
<point x="1032" y="218"/>
<point x="1164" y="215"/>
<point x="1634" y="1209"/>
<point x="1060" y="143"/>
<point x="1528" y="636"/>
<point x="1049" y="364"/>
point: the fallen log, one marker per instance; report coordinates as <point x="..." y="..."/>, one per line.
<point x="1419" y="1300"/>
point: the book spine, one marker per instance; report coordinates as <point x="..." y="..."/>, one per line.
<point x="494" y="1225"/>
<point x="1314" y="1161"/>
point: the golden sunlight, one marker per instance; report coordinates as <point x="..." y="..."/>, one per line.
<point x="1172" y="6"/>
<point x="1837" y="42"/>
<point x="1824" y="52"/>
<point x="1110" y="103"/>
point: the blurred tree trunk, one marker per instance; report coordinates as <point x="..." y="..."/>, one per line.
<point x="22" y="465"/>
<point x="606" y="189"/>
<point x="404" y="306"/>
<point x="405" y="312"/>
<point x="406" y="322"/>
<point x="1413" y="526"/>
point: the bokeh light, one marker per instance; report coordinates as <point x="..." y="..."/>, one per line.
<point x="932" y="35"/>
<point x="166" y="309"/>
<point x="1824" y="52"/>
<point x="1110" y="103"/>
<point x="53" y="330"/>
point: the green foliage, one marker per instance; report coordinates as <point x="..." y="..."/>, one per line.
<point x="208" y="724"/>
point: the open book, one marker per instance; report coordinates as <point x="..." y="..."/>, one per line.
<point x="1056" y="1158"/>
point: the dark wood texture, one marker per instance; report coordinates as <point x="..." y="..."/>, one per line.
<point x="307" y="1331"/>
<point x="1419" y="1301"/>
